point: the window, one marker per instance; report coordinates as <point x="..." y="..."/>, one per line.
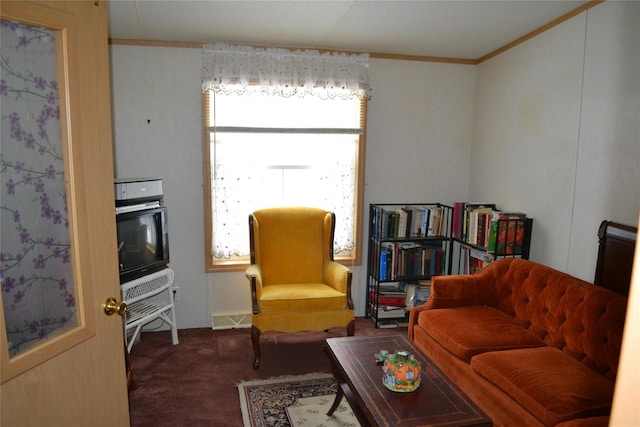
<point x="264" y="150"/>
<point x="281" y="127"/>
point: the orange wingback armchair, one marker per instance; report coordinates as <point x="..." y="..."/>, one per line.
<point x="295" y="283"/>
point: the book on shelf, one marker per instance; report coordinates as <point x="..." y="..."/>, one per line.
<point x="493" y="233"/>
<point x="384" y="260"/>
<point x="395" y="300"/>
<point x="458" y="209"/>
<point x="506" y="235"/>
<point x="389" y="311"/>
<point x="422" y="294"/>
<point x="435" y="221"/>
<point x="410" y="259"/>
<point x="477" y="224"/>
<point x="408" y="221"/>
<point x="480" y="255"/>
<point x="417" y="293"/>
<point x="466" y="216"/>
<point x="476" y="221"/>
<point x="387" y="323"/>
<point x="478" y="260"/>
<point x="463" y="262"/>
<point x="419" y="221"/>
<point x="409" y="262"/>
<point x="388" y="252"/>
<point x="391" y="294"/>
<point x="392" y="287"/>
<point x="484" y="226"/>
<point x="403" y="218"/>
<point x="484" y="221"/>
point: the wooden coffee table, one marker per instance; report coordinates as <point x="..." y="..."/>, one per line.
<point x="437" y="402"/>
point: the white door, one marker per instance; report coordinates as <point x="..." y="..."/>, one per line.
<point x="72" y="371"/>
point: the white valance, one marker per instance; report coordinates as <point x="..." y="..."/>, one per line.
<point x="242" y="69"/>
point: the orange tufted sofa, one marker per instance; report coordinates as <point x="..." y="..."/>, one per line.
<point x="530" y="345"/>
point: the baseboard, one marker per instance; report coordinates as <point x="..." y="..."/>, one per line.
<point x="231" y="321"/>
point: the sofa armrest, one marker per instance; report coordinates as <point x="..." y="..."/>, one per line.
<point x="413" y="319"/>
<point x="254" y="274"/>
<point x="453" y="291"/>
<point x="457" y="291"/>
<point x="338" y="277"/>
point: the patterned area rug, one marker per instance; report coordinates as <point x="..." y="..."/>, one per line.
<point x="296" y="401"/>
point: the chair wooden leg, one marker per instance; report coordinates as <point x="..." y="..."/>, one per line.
<point x="255" y="340"/>
<point x="351" y="328"/>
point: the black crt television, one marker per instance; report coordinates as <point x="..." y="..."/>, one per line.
<point x="143" y="242"/>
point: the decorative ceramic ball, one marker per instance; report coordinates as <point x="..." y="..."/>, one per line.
<point x="402" y="371"/>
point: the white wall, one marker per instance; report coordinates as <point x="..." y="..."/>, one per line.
<point x="557" y="133"/>
<point x="550" y="128"/>
<point x="157" y="132"/>
<point x="608" y="175"/>
<point x="419" y="125"/>
<point x="418" y="150"/>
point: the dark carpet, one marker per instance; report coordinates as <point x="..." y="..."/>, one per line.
<point x="195" y="382"/>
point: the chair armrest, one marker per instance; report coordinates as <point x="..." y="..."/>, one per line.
<point x="254" y="274"/>
<point x="338" y="277"/>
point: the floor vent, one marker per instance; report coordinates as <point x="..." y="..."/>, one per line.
<point x="231" y="321"/>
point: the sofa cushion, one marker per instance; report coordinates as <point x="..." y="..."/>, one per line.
<point x="467" y="331"/>
<point x="552" y="385"/>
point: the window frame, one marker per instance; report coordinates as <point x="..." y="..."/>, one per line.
<point x="212" y="265"/>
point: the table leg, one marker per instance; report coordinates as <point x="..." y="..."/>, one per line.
<point x="338" y="377"/>
<point x="336" y="402"/>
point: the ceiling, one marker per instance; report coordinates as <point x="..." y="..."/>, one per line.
<point x="447" y="29"/>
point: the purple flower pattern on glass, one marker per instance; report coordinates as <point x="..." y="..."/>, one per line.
<point x="35" y="256"/>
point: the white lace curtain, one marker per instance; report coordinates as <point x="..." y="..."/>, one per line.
<point x="241" y="69"/>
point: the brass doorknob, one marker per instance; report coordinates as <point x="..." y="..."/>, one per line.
<point x="111" y="306"/>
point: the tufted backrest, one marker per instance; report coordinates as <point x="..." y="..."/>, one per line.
<point x="580" y="318"/>
<point x="292" y="244"/>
